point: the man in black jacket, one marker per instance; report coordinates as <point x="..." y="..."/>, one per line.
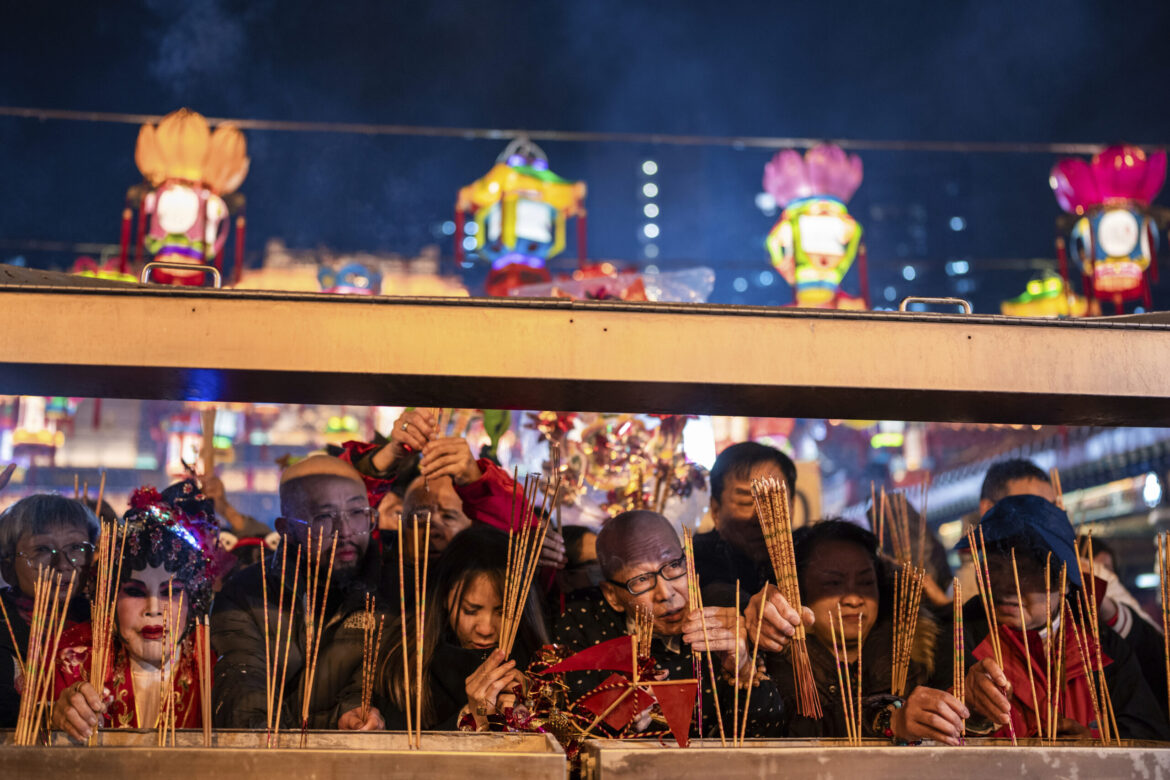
<point x="319" y="497"/>
<point x="1027" y="536"/>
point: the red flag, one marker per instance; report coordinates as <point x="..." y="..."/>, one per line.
<point x="615" y="686"/>
<point x="677" y="703"/>
<point x="616" y="654"/>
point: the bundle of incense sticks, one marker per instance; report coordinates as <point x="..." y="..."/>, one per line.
<point x="959" y="679"/>
<point x="1094" y="620"/>
<point x="315" y="601"/>
<point x="203" y="658"/>
<point x="772" y="508"/>
<point x="851" y="706"/>
<point x="168" y="698"/>
<point x="46" y="624"/>
<point x="907" y="600"/>
<point x="272" y="664"/>
<point x="909" y="544"/>
<point x="412" y="691"/>
<point x="983" y="580"/>
<point x="1164" y="580"/>
<point x="104" y="599"/>
<point x="371" y="646"/>
<point x="693" y="604"/>
<point x="524" y="545"/>
<point x="1027" y="648"/>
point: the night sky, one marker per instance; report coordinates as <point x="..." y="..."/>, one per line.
<point x="1035" y="72"/>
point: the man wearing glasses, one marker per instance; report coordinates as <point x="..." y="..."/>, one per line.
<point x="320" y="497"/>
<point x="643" y="567"/>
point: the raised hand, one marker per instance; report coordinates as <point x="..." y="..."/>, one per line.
<point x="780" y="619"/>
<point x="449" y="458"/>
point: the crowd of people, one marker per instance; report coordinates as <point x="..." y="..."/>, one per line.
<point x="417" y="500"/>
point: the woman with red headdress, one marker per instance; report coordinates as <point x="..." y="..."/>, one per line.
<point x="164" y="575"/>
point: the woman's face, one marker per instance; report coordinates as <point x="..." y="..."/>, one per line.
<point x="64" y="549"/>
<point x="145" y="602"/>
<point x="841" y="574"/>
<point x="476" y="618"/>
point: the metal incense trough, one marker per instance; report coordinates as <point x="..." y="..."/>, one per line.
<point x="827" y="759"/>
<point x="326" y="755"/>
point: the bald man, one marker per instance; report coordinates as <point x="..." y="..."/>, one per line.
<point x="322" y="499"/>
<point x="643" y="566"/>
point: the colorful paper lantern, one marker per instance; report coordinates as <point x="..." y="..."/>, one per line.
<point x="520" y="209"/>
<point x="815" y="241"/>
<point x="1046" y="296"/>
<point x="183" y="215"/>
<point x="1111" y="232"/>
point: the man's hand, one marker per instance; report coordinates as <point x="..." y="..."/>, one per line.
<point x="930" y="714"/>
<point x="988" y="690"/>
<point x="352" y="720"/>
<point x="720" y="636"/>
<point x="412" y="430"/>
<point x="78" y="711"/>
<point x="552" y="553"/>
<point x="780" y="619"/>
<point x="449" y="458"/>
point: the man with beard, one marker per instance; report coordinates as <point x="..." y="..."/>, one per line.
<point x="320" y="496"/>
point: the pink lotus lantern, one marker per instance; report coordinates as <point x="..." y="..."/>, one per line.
<point x="1112" y="232"/>
<point x="815" y="241"/>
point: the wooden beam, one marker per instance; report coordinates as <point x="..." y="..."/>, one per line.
<point x="155" y="342"/>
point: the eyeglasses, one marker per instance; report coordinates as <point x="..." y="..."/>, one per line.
<point x="644" y="583"/>
<point x="78" y="554"/>
<point x="351" y="522"/>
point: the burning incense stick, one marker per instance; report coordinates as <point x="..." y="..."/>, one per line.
<point x="735" y="687"/>
<point x="405" y="654"/>
<point x="203" y="659"/>
<point x="752" y="669"/>
<point x="371" y="647"/>
<point x="524" y="547"/>
<point x="1081" y="634"/>
<point x="983" y="580"/>
<point x="772" y="508"/>
<point x="1164" y="579"/>
<point x="850" y="706"/>
<point x="271" y="668"/>
<point x="274" y="740"/>
<point x="959" y="679"/>
<point x="1054" y="478"/>
<point x="1058" y="683"/>
<point x="1094" y="619"/>
<point x="711" y="667"/>
<point x="1027" y="647"/>
<point x="315" y="612"/>
<point x="692" y="605"/>
<point x="420" y="621"/>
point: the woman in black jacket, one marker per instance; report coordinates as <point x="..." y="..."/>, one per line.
<point x="464" y="674"/>
<point x="838" y="567"/>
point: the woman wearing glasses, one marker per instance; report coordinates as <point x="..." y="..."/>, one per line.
<point x="39" y="531"/>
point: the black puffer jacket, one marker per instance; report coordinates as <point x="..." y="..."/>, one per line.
<point x="876" y="673"/>
<point x="237" y="636"/>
